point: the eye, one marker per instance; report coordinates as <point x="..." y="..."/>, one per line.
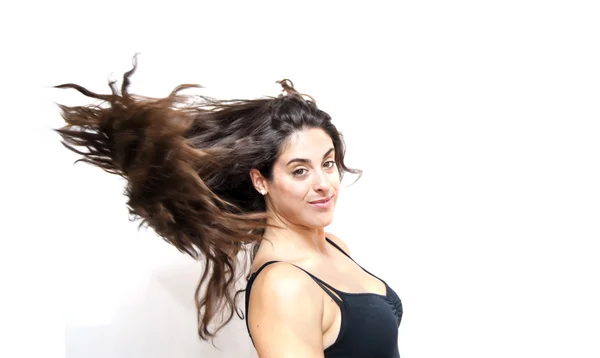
<point x="299" y="172"/>
<point x="329" y="164"/>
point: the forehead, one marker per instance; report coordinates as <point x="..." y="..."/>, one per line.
<point x="307" y="143"/>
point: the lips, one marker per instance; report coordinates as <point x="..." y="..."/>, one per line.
<point x="324" y="200"/>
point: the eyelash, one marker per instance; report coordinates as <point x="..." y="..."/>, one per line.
<point x="295" y="172"/>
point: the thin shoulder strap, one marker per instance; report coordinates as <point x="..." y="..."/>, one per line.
<point x="261" y="268"/>
<point x="251" y="279"/>
<point x="330" y="290"/>
<point x="344" y="252"/>
<point x="339" y="248"/>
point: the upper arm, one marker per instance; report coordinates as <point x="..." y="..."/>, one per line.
<point x="339" y="242"/>
<point x="285" y="313"/>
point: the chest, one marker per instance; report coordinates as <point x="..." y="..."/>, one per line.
<point x="346" y="276"/>
<point x="362" y="325"/>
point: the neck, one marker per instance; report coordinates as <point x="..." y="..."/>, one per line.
<point x="294" y="238"/>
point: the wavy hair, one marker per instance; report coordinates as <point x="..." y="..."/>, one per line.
<point x="186" y="160"/>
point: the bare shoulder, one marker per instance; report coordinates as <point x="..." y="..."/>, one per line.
<point x="281" y="281"/>
<point x="285" y="313"/>
<point x="338" y="242"/>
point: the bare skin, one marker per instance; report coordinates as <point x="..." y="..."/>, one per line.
<point x="289" y="315"/>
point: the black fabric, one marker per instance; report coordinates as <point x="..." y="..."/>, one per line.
<point x="370" y="321"/>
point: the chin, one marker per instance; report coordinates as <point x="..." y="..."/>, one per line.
<point x="323" y="222"/>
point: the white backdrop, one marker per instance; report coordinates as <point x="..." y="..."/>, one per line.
<point x="476" y="124"/>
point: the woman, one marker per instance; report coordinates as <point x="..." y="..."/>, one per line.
<point x="258" y="177"/>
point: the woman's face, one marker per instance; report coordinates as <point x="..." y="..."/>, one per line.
<point x="304" y="187"/>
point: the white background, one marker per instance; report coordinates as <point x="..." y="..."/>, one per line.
<point x="476" y="124"/>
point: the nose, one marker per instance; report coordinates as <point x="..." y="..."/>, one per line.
<point x="320" y="181"/>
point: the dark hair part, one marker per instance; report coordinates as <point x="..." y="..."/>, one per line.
<point x="187" y="160"/>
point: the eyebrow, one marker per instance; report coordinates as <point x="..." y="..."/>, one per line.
<point x="303" y="160"/>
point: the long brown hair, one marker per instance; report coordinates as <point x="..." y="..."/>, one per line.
<point x="187" y="160"/>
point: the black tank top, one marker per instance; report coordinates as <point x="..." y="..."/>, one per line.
<point x="370" y="321"/>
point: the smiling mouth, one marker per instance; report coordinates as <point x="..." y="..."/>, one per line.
<point x="321" y="201"/>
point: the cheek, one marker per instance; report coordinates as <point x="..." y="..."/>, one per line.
<point x="295" y="191"/>
<point x="290" y="199"/>
<point x="335" y="179"/>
